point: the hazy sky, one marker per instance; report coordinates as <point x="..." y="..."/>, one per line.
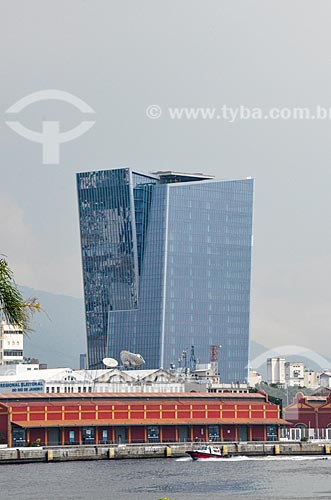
<point x="120" y="57"/>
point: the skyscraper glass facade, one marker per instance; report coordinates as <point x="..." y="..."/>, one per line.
<point x="166" y="265"/>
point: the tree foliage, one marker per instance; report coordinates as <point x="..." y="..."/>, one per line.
<point x="286" y="395"/>
<point x="15" y="309"/>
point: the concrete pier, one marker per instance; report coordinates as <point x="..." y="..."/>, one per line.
<point x="157" y="450"/>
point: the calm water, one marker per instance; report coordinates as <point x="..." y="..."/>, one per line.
<point x="181" y="479"/>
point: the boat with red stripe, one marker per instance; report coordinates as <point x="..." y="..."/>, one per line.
<point x="206" y="452"/>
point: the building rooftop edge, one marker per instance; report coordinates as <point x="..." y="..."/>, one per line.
<point x="156" y="175"/>
<point x="145" y="395"/>
<point x="166" y="173"/>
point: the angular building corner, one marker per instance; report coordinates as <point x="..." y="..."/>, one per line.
<point x="166" y="266"/>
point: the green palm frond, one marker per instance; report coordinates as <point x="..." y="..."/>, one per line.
<point x="15" y="309"/>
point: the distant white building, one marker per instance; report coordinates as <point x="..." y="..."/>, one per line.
<point x="11" y="344"/>
<point x="276" y="371"/>
<point x="206" y="372"/>
<point x="254" y="378"/>
<point x="325" y="379"/>
<point x="294" y="374"/>
<point x="311" y="379"/>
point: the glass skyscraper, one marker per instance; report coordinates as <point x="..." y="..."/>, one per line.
<point x="166" y="266"/>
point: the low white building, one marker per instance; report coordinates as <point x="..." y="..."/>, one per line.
<point x="294" y="374"/>
<point x="11" y="344"/>
<point x="29" y="378"/>
<point x="235" y="388"/>
<point x="325" y="379"/>
<point x="311" y="379"/>
<point x="254" y="378"/>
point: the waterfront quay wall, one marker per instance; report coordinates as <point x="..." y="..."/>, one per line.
<point x="156" y="450"/>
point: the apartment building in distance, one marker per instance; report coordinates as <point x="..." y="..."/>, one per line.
<point x="294" y="374"/>
<point x="11" y="344"/>
<point x="276" y="371"/>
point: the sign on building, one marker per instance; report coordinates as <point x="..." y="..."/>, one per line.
<point x="22" y="386"/>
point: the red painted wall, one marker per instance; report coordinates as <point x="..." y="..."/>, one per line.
<point x="304" y="416"/>
<point x="168" y="410"/>
<point x="54" y="415"/>
<point x="37" y="434"/>
<point x="137" y="434"/>
<point x="229" y="433"/>
<point x="67" y="434"/>
<point x="324" y="417"/>
<point x="168" y="433"/>
<point x="4" y="427"/>
<point x="243" y="414"/>
<point x="197" y="432"/>
<point x="257" y="413"/>
<point x="257" y="433"/>
<point x="37" y="416"/>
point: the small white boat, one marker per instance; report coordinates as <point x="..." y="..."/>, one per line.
<point x="207" y="451"/>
